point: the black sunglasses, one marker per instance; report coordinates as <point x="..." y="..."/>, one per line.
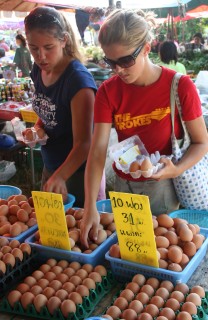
<point x="124" y="62"/>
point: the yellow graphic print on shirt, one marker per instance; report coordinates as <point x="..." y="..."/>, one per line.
<point x="124" y="121"/>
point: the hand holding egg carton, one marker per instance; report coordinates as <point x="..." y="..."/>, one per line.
<point x="29" y="136"/>
<point x="131" y="157"/>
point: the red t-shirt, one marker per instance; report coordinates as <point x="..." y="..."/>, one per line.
<point x="145" y="111"/>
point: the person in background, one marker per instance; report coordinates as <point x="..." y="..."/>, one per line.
<point x="63" y="99"/>
<point x="22" y="57"/>
<point x="137" y="101"/>
<point x="3" y="44"/>
<point x="197" y="44"/>
<point x="169" y="57"/>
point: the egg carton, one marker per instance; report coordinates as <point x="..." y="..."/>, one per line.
<point x="153" y="160"/>
<point x="19" y="127"/>
<point x="83" y="310"/>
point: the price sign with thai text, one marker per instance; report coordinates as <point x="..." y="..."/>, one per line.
<point x="134" y="228"/>
<point x="51" y="219"/>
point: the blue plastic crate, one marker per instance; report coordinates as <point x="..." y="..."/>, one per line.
<point x="70" y="201"/>
<point x="124" y="270"/>
<point x="192" y="216"/>
<point x="104" y="206"/>
<point x="94" y="258"/>
<point x="6" y="191"/>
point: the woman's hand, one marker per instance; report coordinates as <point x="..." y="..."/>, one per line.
<point x="56" y="184"/>
<point x="89" y="224"/>
<point x="167" y="172"/>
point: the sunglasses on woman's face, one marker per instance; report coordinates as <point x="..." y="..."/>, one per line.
<point x="124" y="62"/>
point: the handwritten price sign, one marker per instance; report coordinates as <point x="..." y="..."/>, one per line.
<point x="51" y="219"/>
<point x="134" y="228"/>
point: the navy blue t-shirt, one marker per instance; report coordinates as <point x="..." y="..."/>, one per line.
<point x="52" y="104"/>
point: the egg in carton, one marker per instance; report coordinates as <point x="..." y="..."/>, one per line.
<point x="31" y="136"/>
<point x="145" y="166"/>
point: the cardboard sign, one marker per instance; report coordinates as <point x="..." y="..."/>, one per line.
<point x="134" y="227"/>
<point x="49" y="209"/>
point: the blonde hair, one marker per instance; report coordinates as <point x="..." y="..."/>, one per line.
<point x="127" y="27"/>
<point x="54" y="22"/>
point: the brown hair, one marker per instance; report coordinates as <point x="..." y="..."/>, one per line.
<point x="55" y="23"/>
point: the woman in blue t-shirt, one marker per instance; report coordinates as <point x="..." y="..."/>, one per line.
<point x="63" y="99"/>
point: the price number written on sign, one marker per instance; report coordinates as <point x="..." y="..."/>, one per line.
<point x="51" y="219"/>
<point x="134" y="228"/>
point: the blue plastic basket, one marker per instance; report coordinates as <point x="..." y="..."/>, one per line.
<point x="70" y="201"/>
<point x="124" y="270"/>
<point x="192" y="216"/>
<point x="104" y="206"/>
<point x="6" y="191"/>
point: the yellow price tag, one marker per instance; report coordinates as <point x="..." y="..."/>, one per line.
<point x="51" y="219"/>
<point x="134" y="227"/>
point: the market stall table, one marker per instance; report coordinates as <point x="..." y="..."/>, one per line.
<point x="200" y="277"/>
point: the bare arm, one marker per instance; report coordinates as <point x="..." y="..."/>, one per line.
<point x="82" y="121"/>
<point x="93" y="174"/>
<point x="197" y="149"/>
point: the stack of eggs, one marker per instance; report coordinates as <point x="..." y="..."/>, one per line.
<point x="177" y="242"/>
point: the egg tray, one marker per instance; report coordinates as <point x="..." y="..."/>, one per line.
<point x="94" y="258"/>
<point x="124" y="270"/>
<point x="202" y="311"/>
<point x="83" y="310"/>
<point x="192" y="216"/>
<point x="16" y="273"/>
<point x="22" y="236"/>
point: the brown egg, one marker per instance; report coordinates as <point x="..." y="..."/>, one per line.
<point x="158" y="301"/>
<point x="173" y="304"/>
<point x="153" y="282"/>
<point x="163" y="264"/>
<point x="44" y="268"/>
<point x="133" y="286"/>
<point x="198" y="240"/>
<point x="56" y="269"/>
<point x="189" y="307"/>
<point x="127" y="294"/>
<point x="35" y="290"/>
<point x="69" y="271"/>
<point x="162" y="242"/>
<point x="43" y="283"/>
<point x="178" y="295"/>
<point x="70" y="221"/>
<point x="199" y="290"/>
<point x="26" y="299"/>
<point x="146" y="165"/>
<point x="165" y="221"/>
<point x="145" y="316"/>
<point x="13" y="297"/>
<point x="14" y="244"/>
<point x="52" y="304"/>
<point x="68" y="306"/>
<point x="55" y="284"/>
<point x="189" y="249"/>
<point x="17" y="253"/>
<point x="76" y="297"/>
<point x="63" y="264"/>
<point x="51" y="262"/>
<point x="68" y="286"/>
<point x="76" y="280"/>
<point x="182" y="287"/>
<point x="134" y="166"/>
<point x="168" y="313"/>
<point x="142" y="297"/>
<point x="39" y="302"/>
<point x="49" y="292"/>
<point x="114" y="312"/>
<point x="25" y="247"/>
<point x="2" y="267"/>
<point x="139" y="278"/>
<point x="115" y="251"/>
<point x="175" y="254"/>
<point x="101" y="237"/>
<point x="82" y="290"/>
<point x="101" y="270"/>
<point x="89" y="283"/>
<point x="175" y="267"/>
<point x="184" y="261"/>
<point x="82" y="273"/>
<point x="95" y="276"/>
<point x="167" y="284"/>
<point x="183" y="315"/>
<point x="195" y="298"/>
<point x="31" y="281"/>
<point x="88" y="267"/>
<point x="172" y="237"/>
<point x="136" y="305"/>
<point x="152" y="310"/>
<point x="149" y="290"/>
<point x="8" y="258"/>
<point x="61" y="294"/>
<point x="186" y="234"/>
<point x="129" y="314"/>
<point x="162" y="292"/>
<point x="163" y="253"/>
<point x="37" y="274"/>
<point x="121" y="303"/>
<point x="49" y="275"/>
<point x="23" y="287"/>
